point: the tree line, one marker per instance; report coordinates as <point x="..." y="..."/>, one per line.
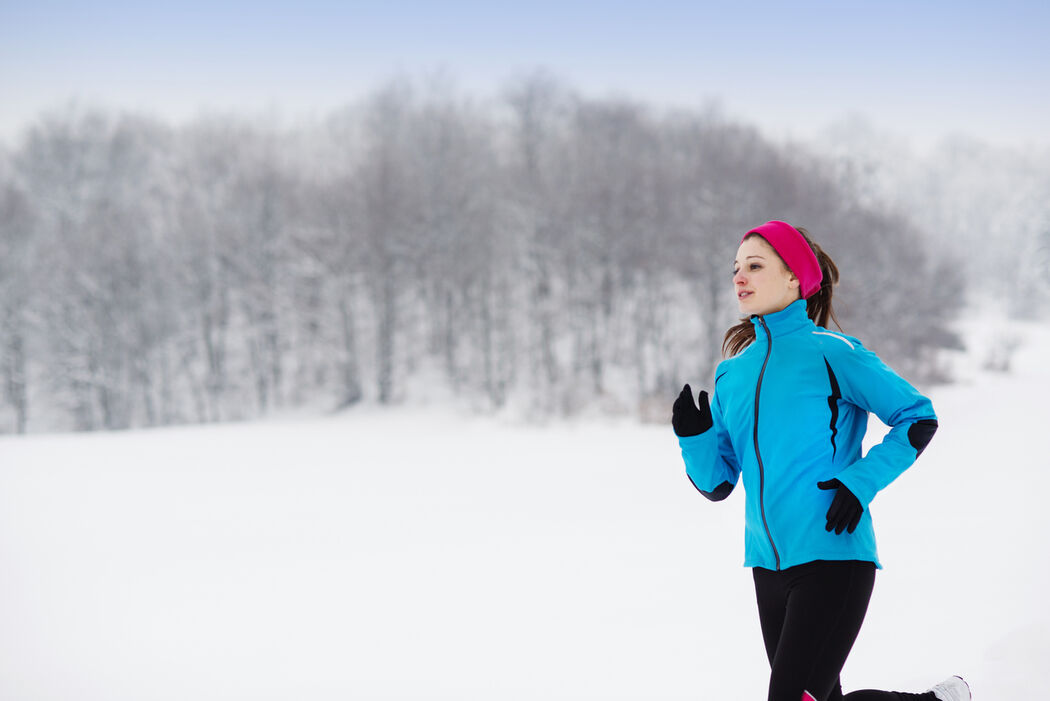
<point x="540" y="252"/>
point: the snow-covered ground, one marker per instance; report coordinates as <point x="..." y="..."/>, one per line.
<point x="416" y="554"/>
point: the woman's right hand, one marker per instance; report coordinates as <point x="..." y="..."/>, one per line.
<point x="688" y="419"/>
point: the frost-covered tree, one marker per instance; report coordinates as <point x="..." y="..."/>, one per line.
<point x="17" y="295"/>
<point x="536" y="197"/>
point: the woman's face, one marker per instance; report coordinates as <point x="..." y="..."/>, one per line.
<point x="762" y="282"/>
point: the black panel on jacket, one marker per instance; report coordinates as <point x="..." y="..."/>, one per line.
<point x="833" y="404"/>
<point x="720" y="492"/>
<point x="920" y="433"/>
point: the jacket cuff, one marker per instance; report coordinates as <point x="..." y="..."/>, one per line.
<point x="863" y="493"/>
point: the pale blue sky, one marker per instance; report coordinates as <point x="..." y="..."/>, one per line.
<point x="919" y="69"/>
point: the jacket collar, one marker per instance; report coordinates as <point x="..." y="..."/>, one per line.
<point x="793" y="317"/>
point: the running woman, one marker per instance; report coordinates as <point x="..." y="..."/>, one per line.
<point x="789" y="411"/>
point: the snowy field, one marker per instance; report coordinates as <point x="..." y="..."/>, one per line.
<point x="414" y="554"/>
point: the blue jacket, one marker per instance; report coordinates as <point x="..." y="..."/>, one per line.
<point x="791" y="410"/>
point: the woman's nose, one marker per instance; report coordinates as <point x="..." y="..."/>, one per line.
<point x="738" y="279"/>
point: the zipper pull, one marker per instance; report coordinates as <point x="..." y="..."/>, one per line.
<point x="762" y="323"/>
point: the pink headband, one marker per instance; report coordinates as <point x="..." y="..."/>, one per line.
<point x="797" y="254"/>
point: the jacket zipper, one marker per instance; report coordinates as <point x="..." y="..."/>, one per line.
<point x="758" y="454"/>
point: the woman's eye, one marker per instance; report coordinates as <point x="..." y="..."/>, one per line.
<point x="756" y="266"/>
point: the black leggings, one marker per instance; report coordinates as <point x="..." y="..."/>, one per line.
<point x="810" y="616"/>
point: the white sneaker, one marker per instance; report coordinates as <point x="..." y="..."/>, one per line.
<point x="954" y="689"/>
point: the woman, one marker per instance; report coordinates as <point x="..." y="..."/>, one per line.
<point x="789" y="411"/>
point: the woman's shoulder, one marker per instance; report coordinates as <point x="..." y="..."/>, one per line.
<point x="835" y="341"/>
<point x="844" y="352"/>
<point x="727" y="366"/>
<point x="739" y="367"/>
<point x="735" y="361"/>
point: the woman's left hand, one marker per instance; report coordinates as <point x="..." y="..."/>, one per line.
<point x="845" y="511"/>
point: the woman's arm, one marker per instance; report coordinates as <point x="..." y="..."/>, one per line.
<point x="710" y="462"/>
<point x="870" y="384"/>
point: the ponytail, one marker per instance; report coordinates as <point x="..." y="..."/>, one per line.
<point x="818" y="306"/>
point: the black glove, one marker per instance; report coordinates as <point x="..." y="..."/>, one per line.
<point x="845" y="511"/>
<point x="686" y="418"/>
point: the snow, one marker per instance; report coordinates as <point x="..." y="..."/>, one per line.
<point x="420" y="554"/>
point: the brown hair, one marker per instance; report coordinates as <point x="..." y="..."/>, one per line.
<point x="818" y="306"/>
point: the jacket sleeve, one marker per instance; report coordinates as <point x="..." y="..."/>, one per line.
<point x="710" y="462"/>
<point x="870" y="384"/>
